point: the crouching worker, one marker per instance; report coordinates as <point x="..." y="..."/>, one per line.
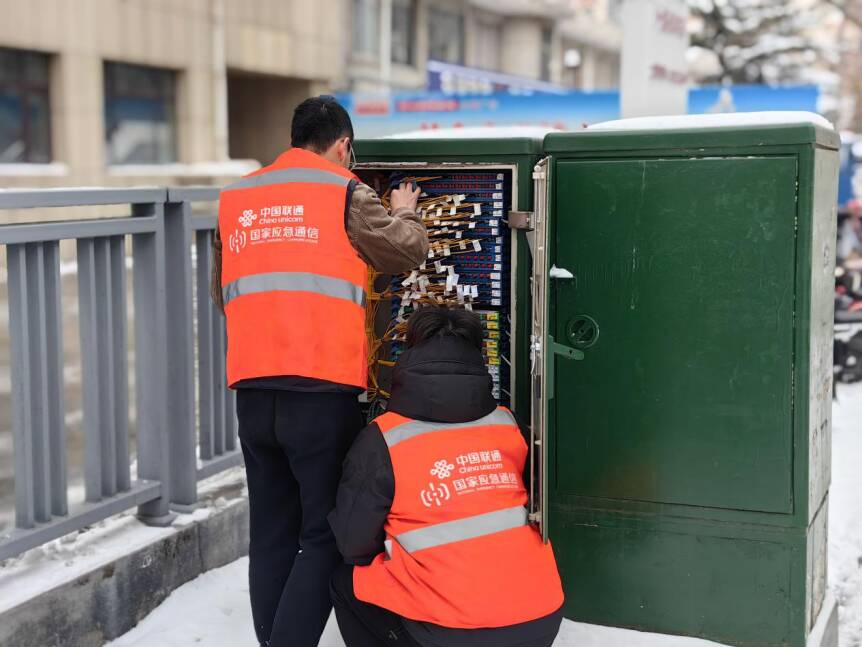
<point x="430" y="512"/>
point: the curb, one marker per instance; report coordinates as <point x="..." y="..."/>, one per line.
<point x="106" y="602"/>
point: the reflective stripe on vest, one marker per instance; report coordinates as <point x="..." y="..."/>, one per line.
<point x="294" y="282"/>
<point x="295" y="307"/>
<point x="283" y="176"/>
<point x="461" y="529"/>
<point x="459" y="550"/>
<point x="408" y="430"/>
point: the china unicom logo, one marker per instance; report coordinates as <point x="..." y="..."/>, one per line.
<point x="247" y="218"/>
<point x="442" y="469"/>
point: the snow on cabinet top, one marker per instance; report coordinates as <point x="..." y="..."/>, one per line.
<point x="476" y="132"/>
<point x="724" y="120"/>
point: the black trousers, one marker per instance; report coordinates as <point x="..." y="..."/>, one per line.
<point x="293" y="444"/>
<point x="362" y="624"/>
<point x="367" y="625"/>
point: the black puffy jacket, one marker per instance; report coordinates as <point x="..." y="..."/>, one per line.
<point x="441" y="380"/>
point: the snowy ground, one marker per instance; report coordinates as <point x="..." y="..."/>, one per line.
<point x="845" y="513"/>
<point x="213" y="610"/>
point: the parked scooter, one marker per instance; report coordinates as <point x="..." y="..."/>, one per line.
<point x="847" y="353"/>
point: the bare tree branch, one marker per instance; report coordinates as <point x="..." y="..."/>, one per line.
<point x="851" y="12"/>
<point x="755" y="41"/>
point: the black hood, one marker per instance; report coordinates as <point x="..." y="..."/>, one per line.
<point x="442" y="380"/>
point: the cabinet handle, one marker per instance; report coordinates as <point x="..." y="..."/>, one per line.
<point x="560" y="273"/>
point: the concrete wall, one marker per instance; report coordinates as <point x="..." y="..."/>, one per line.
<point x="293" y="38"/>
<point x="105" y="602"/>
<point x="522" y="47"/>
<point x="259" y="112"/>
<point x="599" y="69"/>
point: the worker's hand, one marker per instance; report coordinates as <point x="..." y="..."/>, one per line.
<point x="404" y="196"/>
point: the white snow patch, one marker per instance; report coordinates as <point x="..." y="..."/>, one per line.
<point x="65" y="559"/>
<point x="724" y="120"/>
<point x="845" y="513"/>
<point x="580" y="634"/>
<point x="213" y="610"/>
<point x="476" y="132"/>
<point x="51" y="169"/>
<point x="229" y="168"/>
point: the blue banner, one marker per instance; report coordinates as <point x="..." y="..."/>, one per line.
<point x="379" y="115"/>
<point x="458" y="80"/>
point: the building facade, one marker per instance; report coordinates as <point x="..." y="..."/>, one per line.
<point x="123" y="92"/>
<point x="592" y="41"/>
<point x="574" y="43"/>
<point x="136" y="92"/>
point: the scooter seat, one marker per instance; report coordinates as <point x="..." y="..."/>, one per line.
<point x="842" y="316"/>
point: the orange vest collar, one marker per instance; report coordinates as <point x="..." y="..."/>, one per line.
<point x="302" y="157"/>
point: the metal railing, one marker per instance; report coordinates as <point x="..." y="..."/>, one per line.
<point x="185" y="422"/>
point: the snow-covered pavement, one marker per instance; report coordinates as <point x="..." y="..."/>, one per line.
<point x="845" y="513"/>
<point x="213" y="610"/>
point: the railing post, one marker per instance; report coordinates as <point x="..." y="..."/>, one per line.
<point x="102" y="307"/>
<point x="151" y="352"/>
<point x="180" y="356"/>
<point x="206" y="357"/>
<point x="36" y="369"/>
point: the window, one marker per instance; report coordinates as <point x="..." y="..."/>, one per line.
<point x="403" y="31"/>
<point x="25" y="108"/>
<point x="366" y="26"/>
<point x="489" y="52"/>
<point x="547" y="42"/>
<point x="140" y="114"/>
<point x="445" y="36"/>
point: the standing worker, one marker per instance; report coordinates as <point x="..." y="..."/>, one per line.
<point x="299" y="236"/>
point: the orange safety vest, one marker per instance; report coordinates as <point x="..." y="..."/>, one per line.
<point x="459" y="549"/>
<point x="293" y="285"/>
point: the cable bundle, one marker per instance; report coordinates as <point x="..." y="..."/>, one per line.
<point x="467" y="266"/>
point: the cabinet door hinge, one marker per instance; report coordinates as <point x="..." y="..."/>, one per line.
<point x="521" y="220"/>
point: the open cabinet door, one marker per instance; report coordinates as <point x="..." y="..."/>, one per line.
<point x="543" y="348"/>
<point x="538" y="370"/>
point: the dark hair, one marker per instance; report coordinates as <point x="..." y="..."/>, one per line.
<point x="318" y="122"/>
<point x="440" y="321"/>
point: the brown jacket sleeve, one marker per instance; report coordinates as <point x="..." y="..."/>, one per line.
<point x="215" y="283"/>
<point x="390" y="243"/>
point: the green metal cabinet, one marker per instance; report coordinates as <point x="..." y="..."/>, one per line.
<point x="673" y="351"/>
